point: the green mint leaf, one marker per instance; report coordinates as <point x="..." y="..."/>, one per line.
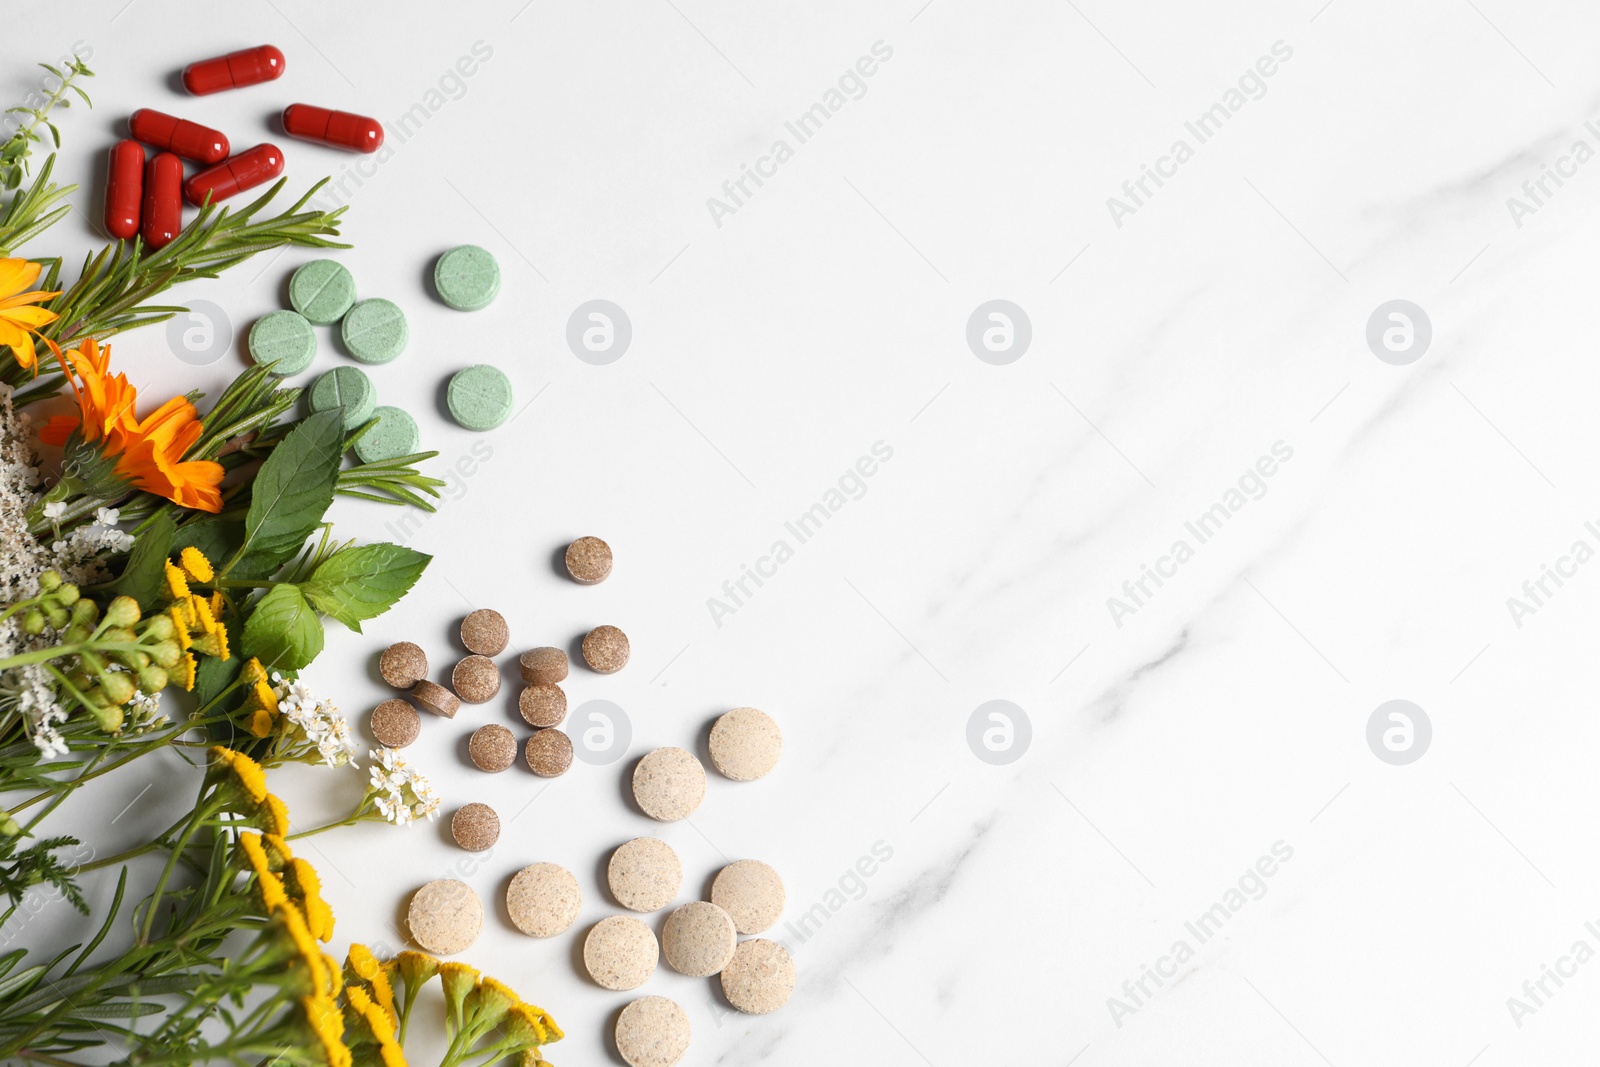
<point x="283" y="631"/>
<point x="294" y="488"/>
<point x="364" y="582"/>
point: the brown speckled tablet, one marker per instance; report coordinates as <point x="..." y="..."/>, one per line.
<point x="435" y="698"/>
<point x="542" y="705"/>
<point x="751" y="893"/>
<point x="485" y="632"/>
<point x="492" y="748"/>
<point x="652" y="1032"/>
<point x="620" y="953"/>
<point x="476" y="679"/>
<point x="644" y="874"/>
<point x="669" y="784"/>
<point x="698" y="939"/>
<point x="395" y="723"/>
<point x="445" y="917"/>
<point x="745" y="744"/>
<point x="543" y="899"/>
<point x="588" y="560"/>
<point x="759" y="978"/>
<point x="475" y="827"/>
<point x="605" y="649"/>
<point x="549" y="753"/>
<point x="543" y="666"/>
<point x="403" y="664"/>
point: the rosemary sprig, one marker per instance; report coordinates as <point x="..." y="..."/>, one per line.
<point x="31" y="213"/>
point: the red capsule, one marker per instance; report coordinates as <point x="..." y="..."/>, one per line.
<point x="163" y="200"/>
<point x="244" y="171"/>
<point x="124" y="189"/>
<point x="234" y="70"/>
<point x="311" y="123"/>
<point x="181" y="137"/>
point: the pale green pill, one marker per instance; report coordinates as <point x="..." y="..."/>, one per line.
<point x="374" y="331"/>
<point x="347" y="388"/>
<point x="479" y="397"/>
<point x="322" y="291"/>
<point x="283" y="339"/>
<point x="395" y="435"/>
<point x="467" y="278"/>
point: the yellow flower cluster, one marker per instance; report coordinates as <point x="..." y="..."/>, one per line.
<point x="242" y="789"/>
<point x="261" y="700"/>
<point x="196" y="619"/>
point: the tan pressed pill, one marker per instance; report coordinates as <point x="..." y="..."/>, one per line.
<point x="403" y="665"/>
<point x="605" y="649"/>
<point x="745" y="744"/>
<point x="543" y="899"/>
<point x="698" y="939"/>
<point x="485" y="632"/>
<point x="445" y="917"/>
<point x="751" y="893"/>
<point x="588" y="560"/>
<point x="759" y="978"/>
<point x="492" y="748"/>
<point x="652" y="1032"/>
<point x="549" y="753"/>
<point x="620" y="953"/>
<point x="669" y="784"/>
<point x="542" y="705"/>
<point x="395" y="723"/>
<point x="435" y="698"/>
<point x="543" y="666"/>
<point x="475" y="827"/>
<point x="644" y="874"/>
<point x="476" y="679"/>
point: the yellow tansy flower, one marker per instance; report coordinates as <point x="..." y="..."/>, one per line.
<point x="201" y="607"/>
<point x="179" y="614"/>
<point x="305" y="945"/>
<point x="277" y="849"/>
<point x="301" y="879"/>
<point x="274" y="816"/>
<point x="326" y="1023"/>
<point x="366" y="968"/>
<point x="195" y="565"/>
<point x="243" y="771"/>
<point x="214" y="643"/>
<point x="185" y="671"/>
<point x="252" y="672"/>
<point x="260" y="724"/>
<point x="218" y="602"/>
<point x="176" y="585"/>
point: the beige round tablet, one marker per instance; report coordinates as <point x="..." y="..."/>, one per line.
<point x="745" y="744"/>
<point x="445" y="917"/>
<point x="403" y="664"/>
<point x="605" y="649"/>
<point x="475" y="827"/>
<point x="435" y="698"/>
<point x="669" y="784"/>
<point x="492" y="748"/>
<point x="644" y="874"/>
<point x="485" y="632"/>
<point x="542" y="705"/>
<point x="588" y="560"/>
<point x="760" y="977"/>
<point x="620" y="953"/>
<point x="543" y="666"/>
<point x="652" y="1032"/>
<point x="543" y="899"/>
<point x="476" y="679"/>
<point x="698" y="939"/>
<point x="549" y="753"/>
<point x="751" y="893"/>
<point x="395" y="723"/>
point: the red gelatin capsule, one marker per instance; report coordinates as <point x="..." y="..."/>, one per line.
<point x="163" y="200"/>
<point x="181" y="137"/>
<point x="124" y="189"/>
<point x="311" y="123"/>
<point x="234" y="70"/>
<point x="244" y="171"/>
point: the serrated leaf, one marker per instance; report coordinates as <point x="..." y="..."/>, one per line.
<point x="283" y="631"/>
<point x="214" y="675"/>
<point x="142" y="579"/>
<point x="363" y="582"/>
<point x="293" y="488"/>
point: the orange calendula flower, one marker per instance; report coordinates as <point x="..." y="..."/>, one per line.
<point x="20" y="320"/>
<point x="148" y="452"/>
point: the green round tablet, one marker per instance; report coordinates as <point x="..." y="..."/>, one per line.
<point x="374" y="331"/>
<point x="283" y="339"/>
<point x="348" y="388"/>
<point x="479" y="397"/>
<point x="322" y="291"/>
<point x="467" y="278"/>
<point x="395" y="435"/>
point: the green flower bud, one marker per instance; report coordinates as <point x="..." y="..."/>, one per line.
<point x="9" y="827"/>
<point x="119" y="635"/>
<point x="159" y="627"/>
<point x="86" y="611"/>
<point x="68" y="595"/>
<point x="118" y="686"/>
<point x="123" y="611"/>
<point x="58" y="617"/>
<point x="49" y="581"/>
<point x="93" y="662"/>
<point x="108" y="716"/>
<point x="75" y="633"/>
<point x="33" y="622"/>
<point x="152" y="679"/>
<point x="166" y="653"/>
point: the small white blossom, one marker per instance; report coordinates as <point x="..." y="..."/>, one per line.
<point x="55" y="509"/>
<point x="107" y="516"/>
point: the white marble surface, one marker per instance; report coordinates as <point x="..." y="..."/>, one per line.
<point x="1222" y="720"/>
